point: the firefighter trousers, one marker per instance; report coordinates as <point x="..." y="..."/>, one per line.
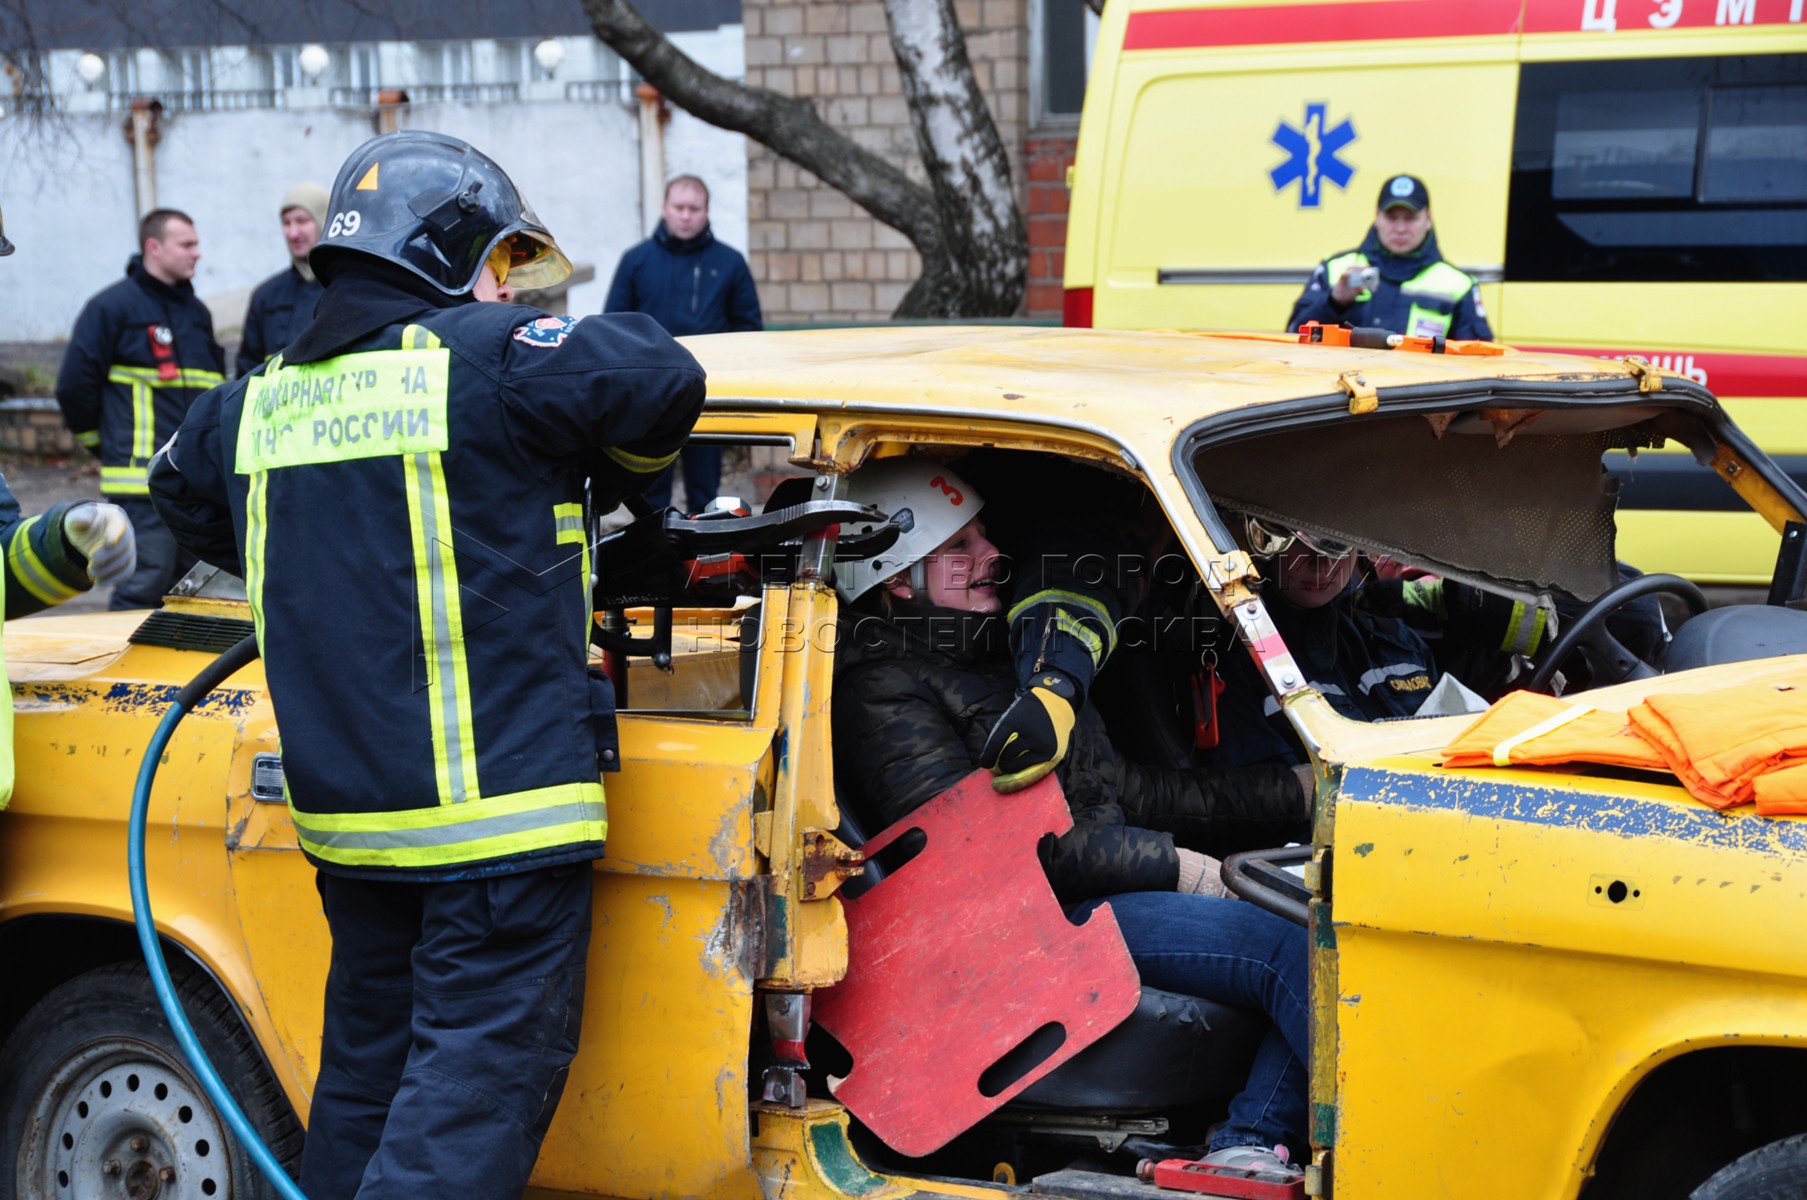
<point x="452" y="1015"/>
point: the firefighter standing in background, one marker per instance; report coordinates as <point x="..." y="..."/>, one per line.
<point x="283" y="305"/>
<point x="50" y="557"/>
<point x="141" y="352"/>
<point x="1396" y="279"/>
<point x="404" y="489"/>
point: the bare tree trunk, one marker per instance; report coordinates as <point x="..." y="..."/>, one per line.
<point x="965" y="225"/>
<point x="987" y="250"/>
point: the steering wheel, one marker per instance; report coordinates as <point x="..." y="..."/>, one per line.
<point x="1589" y="629"/>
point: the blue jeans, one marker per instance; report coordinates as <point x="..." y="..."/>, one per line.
<point x="702" y="467"/>
<point x="1235" y="954"/>
<point x="452" y="1015"/>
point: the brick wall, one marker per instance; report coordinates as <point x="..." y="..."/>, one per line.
<point x="815" y="255"/>
<point x="34" y="425"/>
<point x="1047" y="157"/>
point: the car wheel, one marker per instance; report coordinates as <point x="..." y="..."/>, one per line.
<point x="1777" y="1171"/>
<point x="97" y="1100"/>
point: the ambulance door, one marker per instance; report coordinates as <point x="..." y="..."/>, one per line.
<point x="1231" y="170"/>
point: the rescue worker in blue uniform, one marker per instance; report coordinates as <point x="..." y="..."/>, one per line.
<point x="404" y="489"/>
<point x="283" y="305"/>
<point x="1396" y="279"/>
<point x="51" y="557"/>
<point x="1368" y="667"/>
<point x="142" y="351"/>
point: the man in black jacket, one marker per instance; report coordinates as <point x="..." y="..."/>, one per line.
<point x="688" y="282"/>
<point x="142" y="351"/>
<point x="404" y="487"/>
<point x="283" y="305"/>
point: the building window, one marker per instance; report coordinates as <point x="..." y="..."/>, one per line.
<point x="122" y="73"/>
<point x="1060" y="57"/>
<point x="447" y="63"/>
<point x="285" y="68"/>
<point x="355" y="68"/>
<point x="1693" y="176"/>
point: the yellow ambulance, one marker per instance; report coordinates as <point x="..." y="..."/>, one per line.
<point x="1621" y="176"/>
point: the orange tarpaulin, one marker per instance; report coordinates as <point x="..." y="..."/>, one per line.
<point x="1591" y="735"/>
<point x="1728" y="747"/>
<point x="1719" y="744"/>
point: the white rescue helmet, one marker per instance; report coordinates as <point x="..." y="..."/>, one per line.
<point x="927" y="501"/>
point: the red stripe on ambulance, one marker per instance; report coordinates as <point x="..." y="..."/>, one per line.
<point x="1390" y="20"/>
<point x="1725" y="374"/>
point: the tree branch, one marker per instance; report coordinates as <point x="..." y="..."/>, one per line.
<point x="786" y="124"/>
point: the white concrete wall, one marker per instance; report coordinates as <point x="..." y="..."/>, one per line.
<point x="66" y="187"/>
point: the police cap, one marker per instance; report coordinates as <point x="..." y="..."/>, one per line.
<point x="436" y="206"/>
<point x="1404" y="191"/>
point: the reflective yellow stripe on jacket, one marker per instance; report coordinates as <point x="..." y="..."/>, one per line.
<point x="29" y="569"/>
<point x="392" y="404"/>
<point x="145" y="383"/>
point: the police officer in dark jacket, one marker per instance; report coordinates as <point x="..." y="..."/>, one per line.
<point x="404" y="488"/>
<point x="141" y="352"/>
<point x="283" y="305"/>
<point x="1397" y="278"/>
<point x="688" y="282"/>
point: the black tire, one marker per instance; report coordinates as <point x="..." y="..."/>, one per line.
<point x="1777" y="1171"/>
<point x="97" y="1100"/>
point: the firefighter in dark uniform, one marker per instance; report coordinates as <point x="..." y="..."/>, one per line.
<point x="404" y="489"/>
<point x="50" y="557"/>
<point x="141" y="352"/>
<point x="283" y="305"/>
<point x="1368" y="666"/>
<point x="1396" y="279"/>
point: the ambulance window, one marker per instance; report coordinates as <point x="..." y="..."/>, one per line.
<point x="1755" y="137"/>
<point x="1615" y="144"/>
<point x="1694" y="173"/>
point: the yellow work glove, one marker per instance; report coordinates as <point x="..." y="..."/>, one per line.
<point x="1030" y="739"/>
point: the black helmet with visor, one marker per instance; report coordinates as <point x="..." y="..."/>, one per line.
<point x="438" y="207"/>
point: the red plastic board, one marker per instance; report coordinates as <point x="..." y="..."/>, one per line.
<point x="958" y="957"/>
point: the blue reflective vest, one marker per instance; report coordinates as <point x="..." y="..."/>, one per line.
<point x="409" y="515"/>
<point x="1418" y="294"/>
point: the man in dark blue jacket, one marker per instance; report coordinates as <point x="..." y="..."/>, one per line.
<point x="283" y="305"/>
<point x="688" y="282"/>
<point x="1396" y="279"/>
<point x="408" y="489"/>
<point x="142" y="351"/>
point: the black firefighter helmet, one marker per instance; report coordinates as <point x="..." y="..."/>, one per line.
<point x="6" y="247"/>
<point x="438" y="207"/>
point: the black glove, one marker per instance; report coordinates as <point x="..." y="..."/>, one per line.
<point x="1030" y="739"/>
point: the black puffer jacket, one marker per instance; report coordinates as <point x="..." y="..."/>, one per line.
<point x="915" y="697"/>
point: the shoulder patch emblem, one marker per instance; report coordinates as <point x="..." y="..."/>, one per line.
<point x="546" y="332"/>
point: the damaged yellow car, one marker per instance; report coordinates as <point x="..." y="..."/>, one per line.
<point x="1550" y="981"/>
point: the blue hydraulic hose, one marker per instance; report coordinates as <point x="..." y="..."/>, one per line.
<point x="211" y="1083"/>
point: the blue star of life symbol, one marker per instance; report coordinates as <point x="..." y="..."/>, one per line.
<point x="1311" y="155"/>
